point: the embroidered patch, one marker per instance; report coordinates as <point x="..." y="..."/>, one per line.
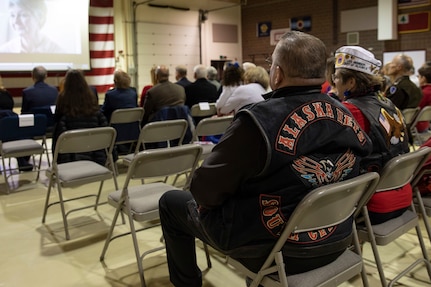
<point x="392" y="89"/>
<point x="311" y="236"/>
<point x="296" y="122"/>
<point x="324" y="171"/>
<point x="393" y="125"/>
<point x="271" y="215"/>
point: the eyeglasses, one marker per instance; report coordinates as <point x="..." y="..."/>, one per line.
<point x="269" y="61"/>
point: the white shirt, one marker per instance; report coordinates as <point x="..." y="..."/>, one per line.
<point x="243" y="95"/>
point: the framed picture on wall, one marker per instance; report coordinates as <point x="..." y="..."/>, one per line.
<point x="412" y="3"/>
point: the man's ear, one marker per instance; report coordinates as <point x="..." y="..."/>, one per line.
<point x="279" y="76"/>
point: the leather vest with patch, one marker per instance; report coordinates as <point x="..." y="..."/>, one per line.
<point x="312" y="140"/>
<point x="388" y="131"/>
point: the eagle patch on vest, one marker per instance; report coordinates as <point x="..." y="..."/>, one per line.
<point x="324" y="171"/>
<point x="393" y="125"/>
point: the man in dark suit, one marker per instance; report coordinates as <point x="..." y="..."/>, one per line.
<point x="181" y="76"/>
<point x="40" y="94"/>
<point x="201" y="90"/>
<point x="163" y="94"/>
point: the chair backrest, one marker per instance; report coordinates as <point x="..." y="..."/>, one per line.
<point x="400" y="170"/>
<point x="129" y="115"/>
<point x="85" y="140"/>
<point x="212" y="126"/>
<point x="199" y="110"/>
<point x="162" y="132"/>
<point x="127" y="123"/>
<point x="410" y="114"/>
<point x="164" y="162"/>
<point x="11" y="129"/>
<point x="177" y="112"/>
<point x="423" y="115"/>
<point x="327" y="206"/>
<point x="47" y="111"/>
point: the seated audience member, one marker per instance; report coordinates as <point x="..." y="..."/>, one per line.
<point x="40" y="94"/>
<point x="181" y="76"/>
<point x="6" y="100"/>
<point x="248" y="65"/>
<point x="163" y="94"/>
<point x="212" y="77"/>
<point x="256" y="83"/>
<point x="265" y="156"/>
<point x="6" y="109"/>
<point x="425" y="83"/>
<point x="77" y="108"/>
<point x="357" y="78"/>
<point x="122" y="96"/>
<point x="233" y="77"/>
<point x="402" y="92"/>
<point x="147" y="87"/>
<point x="200" y="90"/>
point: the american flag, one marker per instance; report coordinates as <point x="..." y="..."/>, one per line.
<point x="102" y="58"/>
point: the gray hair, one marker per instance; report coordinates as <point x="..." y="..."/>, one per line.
<point x="301" y="55"/>
<point x="200" y="71"/>
<point x="212" y="73"/>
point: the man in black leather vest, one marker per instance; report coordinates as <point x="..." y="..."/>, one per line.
<point x="273" y="154"/>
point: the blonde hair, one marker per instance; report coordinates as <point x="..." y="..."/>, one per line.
<point x="257" y="75"/>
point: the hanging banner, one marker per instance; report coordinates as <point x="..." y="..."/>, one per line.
<point x="301" y="24"/>
<point x="414" y="22"/>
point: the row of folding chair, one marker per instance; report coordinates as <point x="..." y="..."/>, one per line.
<point x="334" y="203"/>
<point x="140" y="202"/>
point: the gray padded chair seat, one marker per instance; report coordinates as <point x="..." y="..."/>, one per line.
<point x="24" y="147"/>
<point x="391" y="229"/>
<point x="80" y="172"/>
<point x="144" y="199"/>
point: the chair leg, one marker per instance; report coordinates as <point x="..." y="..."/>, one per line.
<point x="111" y="230"/>
<point x="135" y="244"/>
<point x="359" y="251"/>
<point x="48" y="193"/>
<point x="423" y="211"/>
<point x="207" y="254"/>
<point x="5" y="175"/>
<point x="98" y="195"/>
<point x="373" y="243"/>
<point x="63" y="210"/>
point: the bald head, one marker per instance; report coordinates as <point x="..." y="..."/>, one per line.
<point x="39" y="74"/>
<point x="162" y="73"/>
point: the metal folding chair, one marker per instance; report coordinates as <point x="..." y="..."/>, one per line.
<point x="17" y="135"/>
<point x="141" y="202"/>
<point x="325" y="206"/>
<point x="78" y="173"/>
<point x="396" y="173"/>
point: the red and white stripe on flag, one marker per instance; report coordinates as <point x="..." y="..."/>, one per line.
<point x="101" y="35"/>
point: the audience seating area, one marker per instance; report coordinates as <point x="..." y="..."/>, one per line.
<point x="72" y="245"/>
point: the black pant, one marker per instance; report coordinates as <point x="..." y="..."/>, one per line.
<point x="180" y="231"/>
